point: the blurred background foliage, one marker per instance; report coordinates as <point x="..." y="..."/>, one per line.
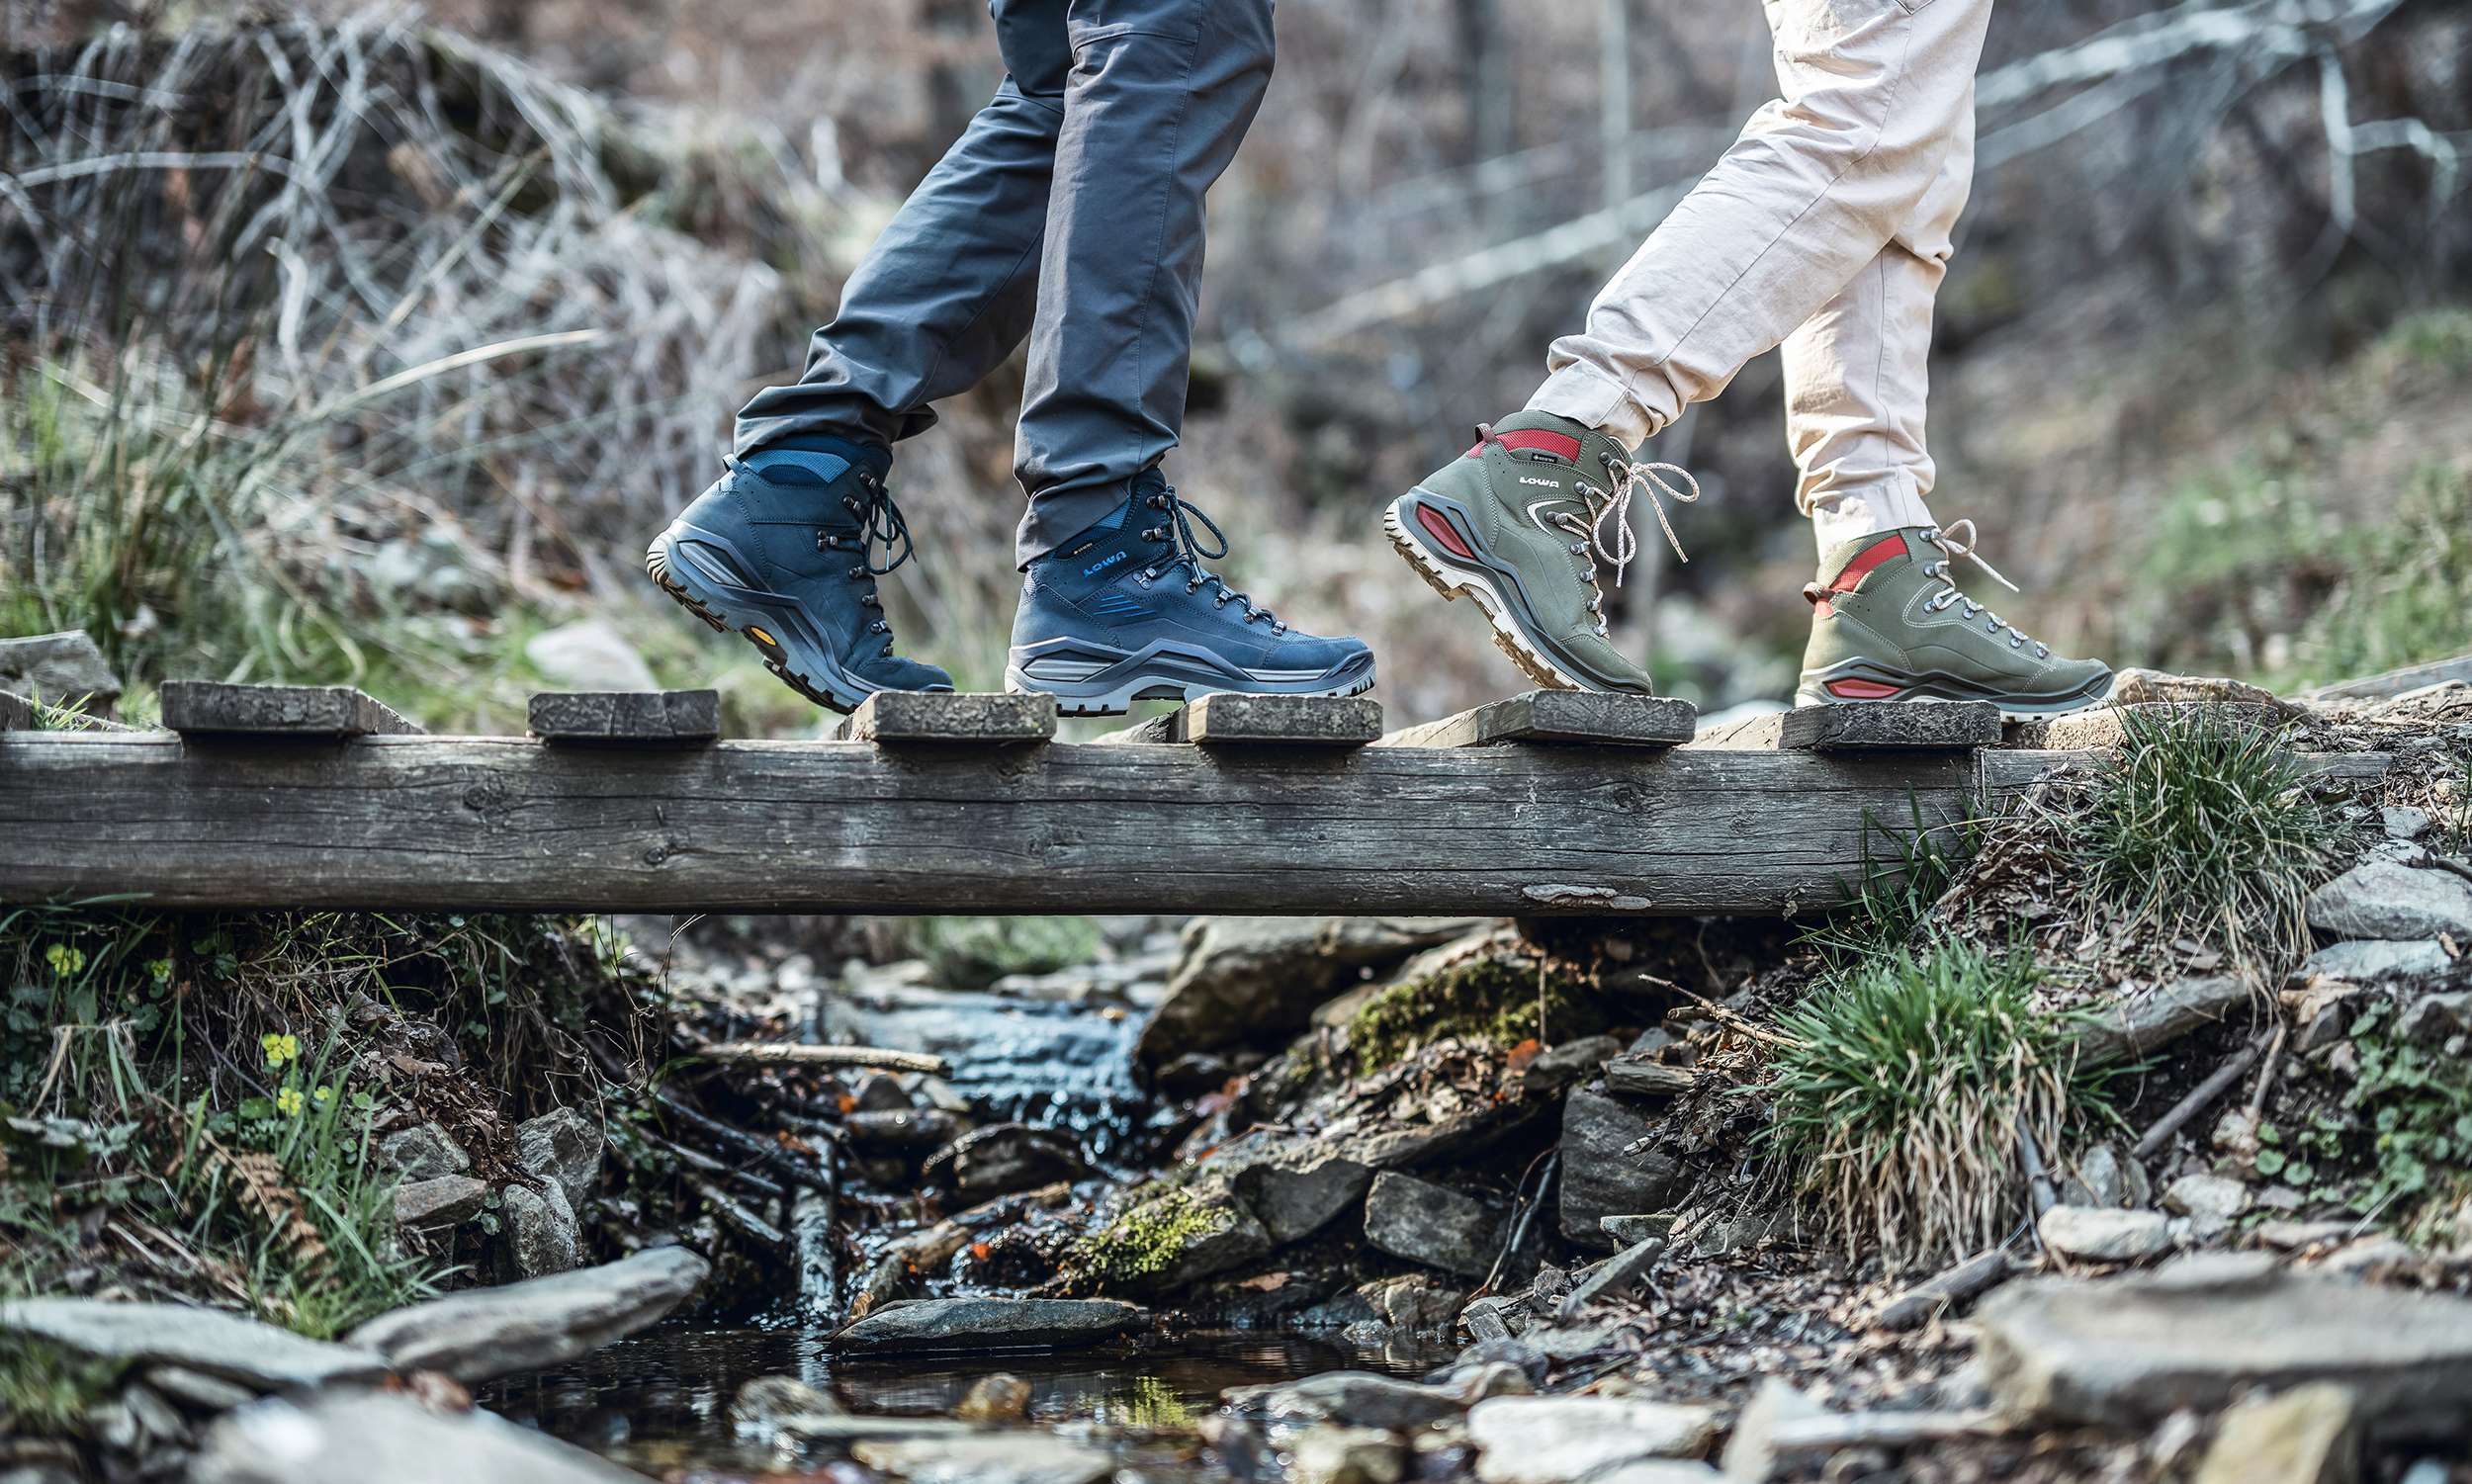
<point x="371" y="343"/>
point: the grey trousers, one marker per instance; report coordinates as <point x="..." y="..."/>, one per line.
<point x="1070" y="212"/>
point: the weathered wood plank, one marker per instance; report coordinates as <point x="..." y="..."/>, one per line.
<point x="939" y="716"/>
<point x="17" y="713"/>
<point x="638" y="718"/>
<point x="1234" y="721"/>
<point x="212" y="708"/>
<point x="1559" y="715"/>
<point x="61" y="669"/>
<point x="2108" y="726"/>
<point x="506" y="824"/>
<point x="1901" y="726"/>
<point x="2394" y="683"/>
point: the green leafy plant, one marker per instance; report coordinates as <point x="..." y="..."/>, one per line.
<point x="2417" y="1103"/>
<point x="1903" y="874"/>
<point x="2204" y="825"/>
<point x="1900" y="1093"/>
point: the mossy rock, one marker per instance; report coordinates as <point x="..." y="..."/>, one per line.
<point x="1168" y="1233"/>
<point x="1489" y="1001"/>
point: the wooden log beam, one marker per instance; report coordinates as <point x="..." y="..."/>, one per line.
<point x="1559" y="715"/>
<point x="407" y="823"/>
<point x="626" y="719"/>
<point x="1233" y="720"/>
<point x="210" y="708"/>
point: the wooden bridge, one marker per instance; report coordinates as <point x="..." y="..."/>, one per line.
<point x="1551" y="803"/>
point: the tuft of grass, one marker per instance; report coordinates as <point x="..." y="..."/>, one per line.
<point x="1901" y="879"/>
<point x="1901" y="1091"/>
<point x="1486" y="1001"/>
<point x="2201" y="824"/>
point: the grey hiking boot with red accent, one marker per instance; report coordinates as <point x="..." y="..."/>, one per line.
<point x="1889" y="624"/>
<point x="1519" y="523"/>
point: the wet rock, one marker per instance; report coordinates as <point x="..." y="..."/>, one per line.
<point x="447" y="1200"/>
<point x="371" y="1438"/>
<point x="2307" y="1435"/>
<point x="561" y="1145"/>
<point x="544" y="1238"/>
<point x="1431" y="1224"/>
<point x="768" y="1408"/>
<point x="61" y="669"/>
<point x="1600" y="1177"/>
<point x="485" y="1333"/>
<point x="1347" y="1455"/>
<point x="1558" y="1440"/>
<point x="2385" y="900"/>
<point x="2371" y="961"/>
<point x="423" y="1152"/>
<point x="2129" y="1351"/>
<point x="590" y="655"/>
<point x="1356" y="1397"/>
<point x="997" y="1398"/>
<point x="1295" y="1203"/>
<point x="1245" y="978"/>
<point x="2211" y="1202"/>
<point x="1014" y="1457"/>
<point x="878" y="1093"/>
<point x="993" y="1323"/>
<point x="1414" y="1302"/>
<point x="2144" y="1022"/>
<point x="1570" y="1062"/>
<point x="904" y="1130"/>
<point x="206" y="1340"/>
<point x="1002" y="1158"/>
<point x="2093" y="1234"/>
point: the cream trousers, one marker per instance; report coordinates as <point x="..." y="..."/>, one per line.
<point x="1823" y="228"/>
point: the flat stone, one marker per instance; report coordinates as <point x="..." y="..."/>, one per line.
<point x="2147" y="1022"/>
<point x="1292" y="1203"/>
<point x="1351" y="1396"/>
<point x="2210" y="1199"/>
<point x="1628" y="1230"/>
<point x="1600" y="1178"/>
<point x="1557" y="1439"/>
<point x="1617" y="1274"/>
<point x="2369" y="961"/>
<point x="920" y="716"/>
<point x="563" y="1146"/>
<point x="17" y="713"/>
<point x="207" y="708"/>
<point x="1431" y="1224"/>
<point x="2309" y="1435"/>
<point x="1347" y="1455"/>
<point x="197" y="1390"/>
<point x="374" y="1438"/>
<point x="1569" y="1062"/>
<point x="628" y="718"/>
<point x="448" y="1200"/>
<point x="2404" y="822"/>
<point x="2093" y="1234"/>
<point x="994" y="1324"/>
<point x="1559" y="715"/>
<point x="61" y="669"/>
<point x="2385" y="900"/>
<point x="206" y="1340"/>
<point x="2127" y="1351"/>
<point x="1244" y="978"/>
<point x="1012" y="1457"/>
<point x="484" y="1333"/>
<point x="590" y="655"/>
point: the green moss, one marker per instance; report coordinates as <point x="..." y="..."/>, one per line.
<point x="1486" y="1001"/>
<point x="45" y="1392"/>
<point x="973" y="952"/>
<point x="1161" y="1222"/>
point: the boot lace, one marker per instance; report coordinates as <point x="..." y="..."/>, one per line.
<point x="1185" y="549"/>
<point x="1625" y="482"/>
<point x="880" y="524"/>
<point x="1952" y="545"/>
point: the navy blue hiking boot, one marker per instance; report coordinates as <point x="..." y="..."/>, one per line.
<point x="783" y="550"/>
<point x="1125" y="612"/>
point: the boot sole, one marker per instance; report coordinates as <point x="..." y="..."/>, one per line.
<point x="777" y="625"/>
<point x="1904" y="687"/>
<point x="1090" y="679"/>
<point x="1454" y="581"/>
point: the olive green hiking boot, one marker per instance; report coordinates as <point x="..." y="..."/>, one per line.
<point x="1889" y="624"/>
<point x="1519" y="524"/>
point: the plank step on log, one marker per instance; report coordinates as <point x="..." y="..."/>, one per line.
<point x="210" y="708"/>
<point x="1234" y="721"/>
<point x="627" y="718"/>
<point x="911" y="718"/>
<point x="2107" y="727"/>
<point x="1559" y="715"/>
<point x="1898" y="726"/>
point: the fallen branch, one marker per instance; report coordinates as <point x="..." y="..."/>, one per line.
<point x="731" y="1211"/>
<point x="777" y="1054"/>
<point x="2203" y="1093"/>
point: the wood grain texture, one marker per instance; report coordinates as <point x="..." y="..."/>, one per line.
<point x="1559" y="715"/>
<point x="605" y="718"/>
<point x="1905" y="727"/>
<point x="509" y="825"/>
<point x="210" y="708"/>
<point x="1233" y="720"/>
<point x="936" y="716"/>
<point x="17" y="713"/>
